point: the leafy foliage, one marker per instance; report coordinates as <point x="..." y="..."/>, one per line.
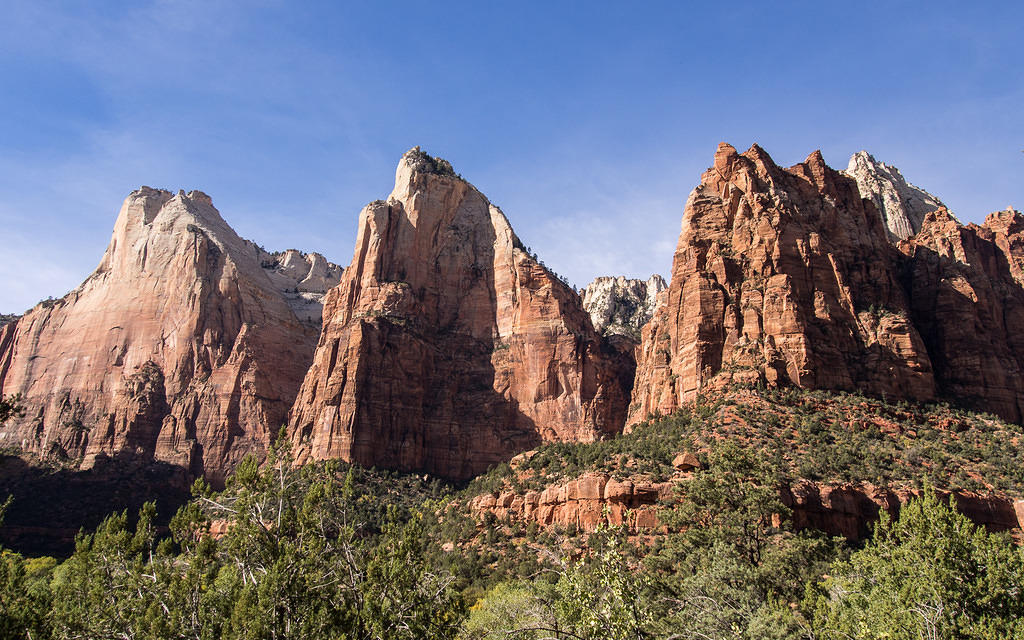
<point x="595" y="598"/>
<point x="10" y="407"/>
<point x="300" y="552"/>
<point x="332" y="551"/>
<point x="817" y="435"/>
<point x="931" y="574"/>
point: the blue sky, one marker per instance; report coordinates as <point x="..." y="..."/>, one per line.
<point x="588" y="123"/>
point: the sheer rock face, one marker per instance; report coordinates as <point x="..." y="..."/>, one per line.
<point x="180" y="347"/>
<point x="784" y="275"/>
<point x="446" y="348"/>
<point x="965" y="285"/>
<point x="902" y="205"/>
<point x="621" y="306"/>
<point x="787" y="276"/>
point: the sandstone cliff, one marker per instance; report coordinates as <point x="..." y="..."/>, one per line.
<point x="967" y="300"/>
<point x="183" y="346"/>
<point x="622" y="306"/>
<point x="902" y="205"/>
<point x="446" y="348"/>
<point x="784" y="275"/>
<point x="787" y="276"/>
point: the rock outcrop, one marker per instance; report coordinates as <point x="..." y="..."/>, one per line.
<point x="967" y="301"/>
<point x="787" y="276"/>
<point x="902" y="205"/>
<point x="621" y="306"/>
<point x="587" y="502"/>
<point x="597" y="499"/>
<point x="446" y="348"/>
<point x="848" y="510"/>
<point x="182" y="347"/>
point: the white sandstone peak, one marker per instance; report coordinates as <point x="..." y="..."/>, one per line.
<point x="902" y="205"/>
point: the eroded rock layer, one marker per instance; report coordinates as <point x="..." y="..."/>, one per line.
<point x="446" y="348"/>
<point x="787" y="276"/>
<point x="181" y="347"/>
<point x="594" y="500"/>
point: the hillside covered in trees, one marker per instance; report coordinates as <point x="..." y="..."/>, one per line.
<point x="329" y="550"/>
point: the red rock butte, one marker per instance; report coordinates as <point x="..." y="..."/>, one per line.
<point x="787" y="276"/>
<point x="447" y="347"/>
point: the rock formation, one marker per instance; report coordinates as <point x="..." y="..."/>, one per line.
<point x="586" y="502"/>
<point x="303" y="279"/>
<point x="446" y="348"/>
<point x="787" y="276"/>
<point x="596" y="499"/>
<point x="902" y="205"/>
<point x="183" y="346"/>
<point x="785" y="273"/>
<point x="622" y="306"/>
<point x="967" y="300"/>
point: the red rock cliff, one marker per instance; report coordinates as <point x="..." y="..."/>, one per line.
<point x="786" y="275"/>
<point x="446" y="347"/>
<point x="181" y="347"/>
<point x="967" y="300"/>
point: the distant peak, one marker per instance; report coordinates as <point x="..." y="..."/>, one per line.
<point x="815" y="158"/>
<point x="901" y="205"/>
<point x="863" y="155"/>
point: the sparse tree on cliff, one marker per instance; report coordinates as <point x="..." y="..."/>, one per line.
<point x="10" y="407"/>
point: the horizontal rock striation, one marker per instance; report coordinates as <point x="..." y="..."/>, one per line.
<point x="181" y="347"/>
<point x="587" y="502"/>
<point x="446" y="348"/>
<point x="596" y="499"/>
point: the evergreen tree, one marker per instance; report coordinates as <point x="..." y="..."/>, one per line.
<point x="931" y="574"/>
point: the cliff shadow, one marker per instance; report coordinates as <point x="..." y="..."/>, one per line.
<point x="52" y="504"/>
<point x="974" y="334"/>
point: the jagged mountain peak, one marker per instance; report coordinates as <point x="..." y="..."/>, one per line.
<point x="446" y="346"/>
<point x="620" y="305"/>
<point x="902" y="205"/>
<point x="789" y="276"/>
<point x="180" y="347"/>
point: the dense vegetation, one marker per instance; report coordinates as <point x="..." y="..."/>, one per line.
<point x="332" y="551"/>
<point x="814" y="435"/>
